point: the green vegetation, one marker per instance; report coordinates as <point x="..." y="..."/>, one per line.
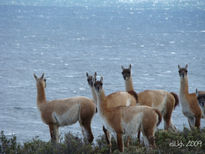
<point x="167" y="142"/>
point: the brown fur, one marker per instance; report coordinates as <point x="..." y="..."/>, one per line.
<point x="159" y="116"/>
<point x="51" y="110"/>
<point x="53" y="129"/>
<point x="195" y="108"/>
<point x="149" y="97"/>
<point x="151" y="118"/>
<point x="106" y="136"/>
<point x="168" y="114"/>
<point x="201" y="93"/>
<point x="133" y="93"/>
<point x="117" y="117"/>
<point x="176" y="99"/>
<point x="193" y="104"/>
<point x="191" y="99"/>
<point x="154" y="98"/>
<point x="120" y="142"/>
<point x="116" y="101"/>
<point x="201" y="101"/>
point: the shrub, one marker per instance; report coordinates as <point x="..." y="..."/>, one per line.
<point x="167" y="142"/>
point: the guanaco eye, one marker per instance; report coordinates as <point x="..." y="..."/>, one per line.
<point x="45" y="80"/>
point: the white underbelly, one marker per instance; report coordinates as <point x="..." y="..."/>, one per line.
<point x="131" y="127"/>
<point x="202" y="111"/>
<point x="162" y="106"/>
<point x="107" y="126"/>
<point x="69" y="117"/>
<point x="185" y="108"/>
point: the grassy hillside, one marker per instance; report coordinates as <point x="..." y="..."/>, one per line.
<point x="167" y="142"/>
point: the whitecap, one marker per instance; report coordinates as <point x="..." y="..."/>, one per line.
<point x="168" y="72"/>
<point x="74" y="91"/>
<point x="15" y="86"/>
<point x="10" y="134"/>
<point x="167" y="8"/>
<point x="149" y="78"/>
<point x="82" y="89"/>
<point x="202" y="31"/>
<point x="69" y="76"/>
<point x="173" y="53"/>
<point x="107" y="46"/>
<point x="80" y="39"/>
<point x="161" y="75"/>
<point x="171" y="42"/>
<point x="115" y="59"/>
<point x="34" y="107"/>
<point x="146" y="74"/>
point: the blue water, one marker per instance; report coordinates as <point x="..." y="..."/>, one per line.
<point x="67" y="42"/>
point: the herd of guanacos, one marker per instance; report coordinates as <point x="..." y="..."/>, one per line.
<point x="124" y="113"/>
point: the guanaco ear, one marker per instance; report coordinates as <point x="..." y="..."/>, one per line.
<point x="101" y="79"/>
<point x="179" y="67"/>
<point x="94" y="77"/>
<point x="122" y="67"/>
<point x="197" y="94"/>
<point x="95" y="74"/>
<point x="130" y="66"/>
<point x="186" y="66"/>
<point x="35" y="76"/>
<point x="42" y="76"/>
<point x="87" y="74"/>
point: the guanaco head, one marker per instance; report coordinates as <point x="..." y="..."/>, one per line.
<point x="41" y="80"/>
<point x="126" y="72"/>
<point x="183" y="71"/>
<point x="90" y="79"/>
<point x="201" y="99"/>
<point x="98" y="85"/>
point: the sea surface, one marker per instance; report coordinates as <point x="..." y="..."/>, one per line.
<point x="66" y="42"/>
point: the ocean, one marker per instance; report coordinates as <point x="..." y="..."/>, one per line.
<point x="65" y="42"/>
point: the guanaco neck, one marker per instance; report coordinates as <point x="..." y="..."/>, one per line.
<point x="93" y="94"/>
<point x="129" y="84"/>
<point x="101" y="100"/>
<point x="184" y="88"/>
<point x="41" y="96"/>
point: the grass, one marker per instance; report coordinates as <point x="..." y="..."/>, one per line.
<point x="167" y="142"/>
